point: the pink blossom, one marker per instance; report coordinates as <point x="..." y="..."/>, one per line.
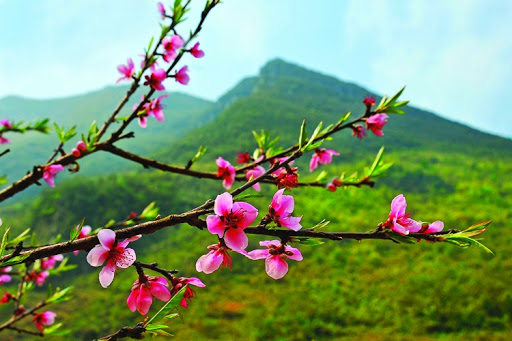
<point x="171" y="46"/>
<point x="155" y="108"/>
<point x="369" y="101"/>
<point x="4" y="278"/>
<point x="84" y="232"/>
<point x="321" y="156"/>
<point x="179" y="283"/>
<point x="6" y="297"/>
<point x="155" y="79"/>
<point x="113" y="252"/>
<point x="50" y="262"/>
<point x="6" y="123"/>
<point x="225" y="171"/>
<point x="161" y="9"/>
<point x="143" y="290"/>
<point x="280" y="211"/>
<point x="81" y="146"/>
<point x="275" y="257"/>
<point x="4" y="140"/>
<point x="196" y="52"/>
<point x="243" y="157"/>
<point x="126" y="70"/>
<point x="376" y="122"/>
<point x="230" y="220"/>
<point x="278" y="171"/>
<point x="44" y="319"/>
<point x="182" y="76"/>
<point x="217" y="256"/>
<point x="358" y="131"/>
<point x="288" y="180"/>
<point x="253" y="173"/>
<point x="435" y="227"/>
<point x="398" y="220"/>
<point x="38" y="277"/>
<point x="331" y="187"/>
<point x="172" y="43"/>
<point x="49" y="173"/>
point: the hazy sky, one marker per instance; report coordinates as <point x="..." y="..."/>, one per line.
<point x="454" y="56"/>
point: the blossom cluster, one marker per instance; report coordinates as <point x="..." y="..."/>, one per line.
<point x="230" y="220"/>
<point x="401" y="222"/>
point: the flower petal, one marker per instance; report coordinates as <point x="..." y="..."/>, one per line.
<point x="398" y="206"/>
<point x="223" y="204"/>
<point x="435" y="227"/>
<point x="292" y="223"/>
<point x="210" y="262"/>
<point x="107" y="238"/>
<point x="97" y="256"/>
<point x="296" y="253"/>
<point x="144" y="300"/>
<point x="236" y="239"/>
<point x="215" y="225"/>
<point x="132" y="299"/>
<point x="258" y="254"/>
<point x="107" y="274"/>
<point x="247" y="211"/>
<point x="196" y="281"/>
<point x="126" y="259"/>
<point x="276" y="267"/>
<point x="160" y="291"/>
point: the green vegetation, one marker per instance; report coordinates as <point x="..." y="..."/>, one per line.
<point x="370" y="290"/>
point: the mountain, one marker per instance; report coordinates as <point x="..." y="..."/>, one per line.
<point x="283" y="94"/>
<point x="183" y="113"/>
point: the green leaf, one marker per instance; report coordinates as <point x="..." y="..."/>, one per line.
<point x="247" y="196"/>
<point x="321" y="177"/>
<point x="303" y="134"/>
<point x="307" y="241"/>
<point x="4" y="241"/>
<point x="313" y="146"/>
<point x="199" y="153"/>
<point x="21" y="237"/>
<point x="15" y="260"/>
<point x="75" y="231"/>
<point x="60" y="295"/>
<point x="150" y="44"/>
<point x="402" y="239"/>
<point x="151" y="327"/>
<point x="320" y="225"/>
<point x="53" y="330"/>
<point x="344" y="118"/>
<point x="315" y="134"/>
<point x="167" y="309"/>
<point x="378" y="158"/>
<point x="150" y="212"/>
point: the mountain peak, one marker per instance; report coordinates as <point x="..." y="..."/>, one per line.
<point x="279" y="68"/>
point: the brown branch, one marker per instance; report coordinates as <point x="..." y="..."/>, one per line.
<point x="16" y="318"/>
<point x="30" y="332"/>
<point x="149" y="163"/>
<point x="135" y="332"/>
<point x="169" y="274"/>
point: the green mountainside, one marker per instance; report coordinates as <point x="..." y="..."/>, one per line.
<point x="183" y="113"/>
<point x="371" y="290"/>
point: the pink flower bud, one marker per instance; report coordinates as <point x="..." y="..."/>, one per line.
<point x="76" y="152"/>
<point x="81" y="146"/>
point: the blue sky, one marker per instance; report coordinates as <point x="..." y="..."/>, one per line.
<point x="454" y="56"/>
